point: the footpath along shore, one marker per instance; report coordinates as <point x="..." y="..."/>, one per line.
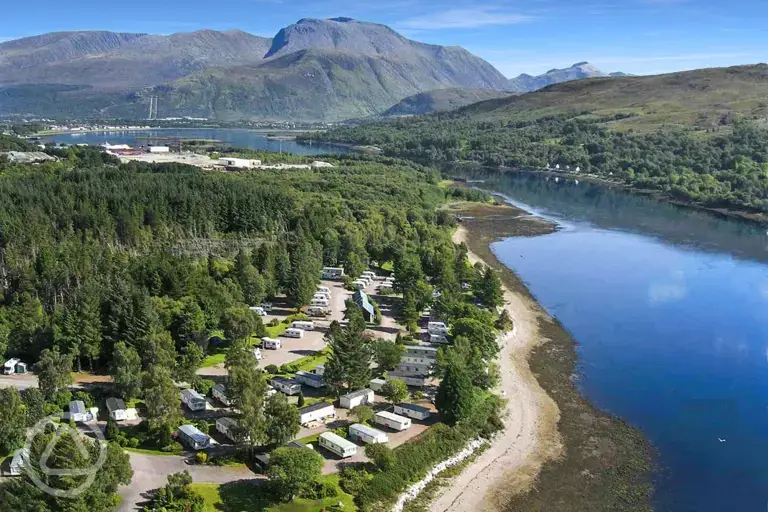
<point x="530" y="436"/>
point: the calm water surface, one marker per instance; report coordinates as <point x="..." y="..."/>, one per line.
<point x="669" y="309"/>
<point x="236" y="138"/>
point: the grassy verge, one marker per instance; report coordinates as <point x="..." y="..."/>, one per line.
<point x="607" y="463"/>
<point x="147" y="451"/>
<point x="275" y="331"/>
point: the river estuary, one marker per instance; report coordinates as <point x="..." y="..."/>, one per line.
<point x="668" y="306"/>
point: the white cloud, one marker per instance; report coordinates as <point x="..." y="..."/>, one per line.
<point x="479" y="16"/>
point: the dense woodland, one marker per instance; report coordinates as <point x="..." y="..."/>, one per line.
<point x="729" y="168"/>
<point x="133" y="269"/>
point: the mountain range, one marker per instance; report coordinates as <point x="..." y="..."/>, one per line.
<point x="314" y="70"/>
<point x="527" y="83"/>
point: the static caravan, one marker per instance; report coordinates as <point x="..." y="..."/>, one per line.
<point x="437" y="328"/>
<point x="414" y="411"/>
<point x="293" y="333"/>
<point x="317" y="310"/>
<point x="359" y="397"/>
<point x="366" y="434"/>
<point x="310" y="379"/>
<point x="416" y="369"/>
<point x="9" y="368"/>
<point x="191" y="436"/>
<point x="17" y="463"/>
<point x="377" y="384"/>
<point x="271" y="343"/>
<point x="337" y="444"/>
<point x="118" y="411"/>
<point x="332" y="273"/>
<point x="316" y="413"/>
<point x="219" y="392"/>
<point x="288" y="386"/>
<point x="417" y="381"/>
<point x="193" y="400"/>
<point x="305" y="325"/>
<point x="79" y="414"/>
<point x="420" y="354"/>
<point x="392" y="420"/>
<point x="438" y="338"/>
<point x="229" y="428"/>
<point x="320" y="302"/>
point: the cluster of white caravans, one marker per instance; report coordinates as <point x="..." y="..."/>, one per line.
<point x="321" y="302"/>
<point x="365" y="280"/>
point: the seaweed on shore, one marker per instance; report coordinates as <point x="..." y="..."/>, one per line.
<point x="607" y="463"/>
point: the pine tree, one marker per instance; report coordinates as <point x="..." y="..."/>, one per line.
<point x="348" y="367"/>
<point x="126" y="370"/>
<point x="247" y="388"/>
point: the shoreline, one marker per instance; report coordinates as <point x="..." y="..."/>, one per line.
<point x="530" y="435"/>
<point x="590" y="460"/>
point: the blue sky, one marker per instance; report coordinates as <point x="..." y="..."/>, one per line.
<point x="532" y="36"/>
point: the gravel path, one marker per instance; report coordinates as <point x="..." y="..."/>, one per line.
<point x="530" y="436"/>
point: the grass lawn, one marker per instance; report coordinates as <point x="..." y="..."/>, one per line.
<point x="274" y="332"/>
<point x="244" y="497"/>
<point x="151" y="452"/>
<point x="388" y="266"/>
<point x="308" y="363"/>
<point x="309" y="439"/>
<point x="445" y="183"/>
<point x="218" y="356"/>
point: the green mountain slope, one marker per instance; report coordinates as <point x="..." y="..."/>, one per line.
<point x="441" y="100"/>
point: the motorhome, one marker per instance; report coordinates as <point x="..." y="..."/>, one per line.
<point x="320" y="301"/>
<point x="306" y="325"/>
<point x="366" y="434"/>
<point x="316" y="413"/>
<point x="191" y="436"/>
<point x="324" y="289"/>
<point x="392" y="420"/>
<point x="355" y="398"/>
<point x="322" y="295"/>
<point x="258" y="310"/>
<point x="193" y="400"/>
<point x="414" y="411"/>
<point x="317" y="311"/>
<point x="292" y="332"/>
<point x="271" y="343"/>
<point x="337" y="444"/>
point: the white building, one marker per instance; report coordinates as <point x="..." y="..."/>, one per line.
<point x="238" y="163"/>
<point x="392" y="420"/>
<point x="337" y="444"/>
<point x="366" y="434"/>
<point x="191" y="436"/>
<point x="119" y="412"/>
<point x="355" y="398"/>
<point x="414" y="411"/>
<point x="219" y="392"/>
<point x="288" y="386"/>
<point x="159" y="149"/>
<point x="316" y="413"/>
<point x="377" y="384"/>
<point x="79" y="414"/>
<point x="229" y="428"/>
<point x="310" y="379"/>
<point x="193" y="400"/>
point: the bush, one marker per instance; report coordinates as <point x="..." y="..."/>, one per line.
<point x="340" y="431"/>
<point x="274" y="322"/>
<point x="418" y="395"/>
<point x="85" y="397"/>
<point x="271" y="369"/>
<point x="354" y="479"/>
<point x="201" y="457"/>
<point x="133" y="443"/>
<point x="174" y="447"/>
<point x="301" y="401"/>
<point x="203" y="386"/>
<point x="288" y="368"/>
<point x="320" y="490"/>
<point x="112" y="431"/>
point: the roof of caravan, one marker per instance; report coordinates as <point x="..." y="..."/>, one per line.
<point x="338" y="440"/>
<point x="413" y="407"/>
<point x="365" y="429"/>
<point x="359" y="392"/>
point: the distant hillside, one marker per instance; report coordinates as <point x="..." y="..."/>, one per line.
<point x="703" y="98"/>
<point x="313" y="70"/>
<point x="580" y="70"/>
<point x="441" y="100"/>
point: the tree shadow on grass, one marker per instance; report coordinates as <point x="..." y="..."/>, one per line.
<point x="244" y="496"/>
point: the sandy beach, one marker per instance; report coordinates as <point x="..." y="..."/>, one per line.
<point x="530" y="436"/>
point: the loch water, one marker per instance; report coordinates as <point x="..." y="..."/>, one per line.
<point x="668" y="307"/>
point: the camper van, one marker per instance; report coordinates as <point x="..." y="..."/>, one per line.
<point x="320" y="302"/>
<point x="293" y="333"/>
<point x="306" y="325"/>
<point x="322" y="295"/>
<point x="317" y="311"/>
<point x="271" y="343"/>
<point x="337" y="444"/>
<point x="332" y="273"/>
<point x="324" y="289"/>
<point x="258" y="310"/>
